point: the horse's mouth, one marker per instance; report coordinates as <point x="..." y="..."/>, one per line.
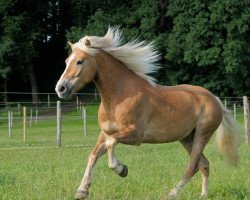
<point x="65" y="95"/>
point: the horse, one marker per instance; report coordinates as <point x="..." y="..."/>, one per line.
<point x="135" y="110"/>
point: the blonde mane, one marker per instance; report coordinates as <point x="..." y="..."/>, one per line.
<point x="139" y="56"/>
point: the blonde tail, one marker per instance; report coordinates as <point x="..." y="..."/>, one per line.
<point x="227" y="137"/>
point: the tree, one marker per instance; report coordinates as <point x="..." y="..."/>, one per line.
<point x="19" y="32"/>
<point x="33" y="37"/>
<point x="209" y="43"/>
<point x="6" y="46"/>
<point x="202" y="42"/>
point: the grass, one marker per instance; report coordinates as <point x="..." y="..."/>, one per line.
<point x="44" y="133"/>
<point x="48" y="172"/>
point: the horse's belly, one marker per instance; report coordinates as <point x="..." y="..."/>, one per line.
<point x="167" y="133"/>
<point x="156" y="137"/>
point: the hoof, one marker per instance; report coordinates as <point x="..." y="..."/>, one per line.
<point x="172" y="197"/>
<point x="172" y="194"/>
<point x="80" y="195"/>
<point x="124" y="172"/>
<point x="203" y="196"/>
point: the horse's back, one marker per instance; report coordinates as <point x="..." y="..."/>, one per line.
<point x="200" y="97"/>
<point x="177" y="110"/>
<point x="200" y="94"/>
<point x="187" y="88"/>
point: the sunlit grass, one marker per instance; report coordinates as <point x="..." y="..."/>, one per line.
<point x="39" y="170"/>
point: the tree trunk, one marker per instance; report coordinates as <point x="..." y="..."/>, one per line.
<point x="163" y="9"/>
<point x="33" y="84"/>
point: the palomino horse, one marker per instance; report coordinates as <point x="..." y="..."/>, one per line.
<point x="135" y="110"/>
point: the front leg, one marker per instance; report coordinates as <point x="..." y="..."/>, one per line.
<point x="97" y="152"/>
<point x="128" y="135"/>
<point x="113" y="163"/>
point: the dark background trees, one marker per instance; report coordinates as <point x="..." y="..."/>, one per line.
<point x="202" y="42"/>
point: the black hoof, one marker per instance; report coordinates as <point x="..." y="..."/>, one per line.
<point x="124" y="172"/>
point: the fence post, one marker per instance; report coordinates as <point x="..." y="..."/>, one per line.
<point x="36" y="115"/>
<point x="18" y="108"/>
<point x="235" y="114"/>
<point x="225" y="103"/>
<point x="84" y="120"/>
<point x="246" y="119"/>
<point x="58" y="138"/>
<point x="9" y="122"/>
<point x="80" y="106"/>
<point x="48" y="101"/>
<point x="31" y="116"/>
<point x="24" y="124"/>
<point x="77" y="102"/>
<point x="95" y="94"/>
<point x="11" y="119"/>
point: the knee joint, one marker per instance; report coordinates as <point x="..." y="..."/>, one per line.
<point x="205" y="169"/>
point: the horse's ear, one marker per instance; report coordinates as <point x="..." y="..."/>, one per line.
<point x="71" y="45"/>
<point x="87" y="43"/>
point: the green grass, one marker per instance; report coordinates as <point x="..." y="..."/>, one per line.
<point x="39" y="170"/>
<point x="44" y="133"/>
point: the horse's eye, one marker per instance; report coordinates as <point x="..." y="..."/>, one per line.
<point x="79" y="62"/>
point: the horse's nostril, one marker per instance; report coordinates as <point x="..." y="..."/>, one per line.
<point x="62" y="89"/>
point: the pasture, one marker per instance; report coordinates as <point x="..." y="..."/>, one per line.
<point x="39" y="170"/>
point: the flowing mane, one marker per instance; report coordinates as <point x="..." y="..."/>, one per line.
<point x="139" y="56"/>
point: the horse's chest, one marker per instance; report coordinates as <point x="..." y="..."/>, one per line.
<point x="112" y="122"/>
<point x="109" y="126"/>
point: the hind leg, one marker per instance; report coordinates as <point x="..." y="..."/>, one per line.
<point x="203" y="165"/>
<point x="195" y="150"/>
<point x="204" y="168"/>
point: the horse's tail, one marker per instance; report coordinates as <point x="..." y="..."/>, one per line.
<point x="227" y="137"/>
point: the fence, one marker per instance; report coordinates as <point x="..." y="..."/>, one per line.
<point x="27" y="122"/>
<point x="31" y="114"/>
<point x="46" y="99"/>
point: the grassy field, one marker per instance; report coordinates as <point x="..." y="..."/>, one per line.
<point x="39" y="170"/>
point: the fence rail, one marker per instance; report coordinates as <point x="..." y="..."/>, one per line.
<point x="45" y="99"/>
<point x="14" y="112"/>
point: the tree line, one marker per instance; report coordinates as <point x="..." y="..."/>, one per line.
<point x="203" y="43"/>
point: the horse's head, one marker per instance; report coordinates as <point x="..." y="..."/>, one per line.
<point x="80" y="70"/>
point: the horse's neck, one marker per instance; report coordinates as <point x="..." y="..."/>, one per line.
<point x="112" y="79"/>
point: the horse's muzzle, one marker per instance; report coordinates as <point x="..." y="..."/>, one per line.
<point x="64" y="89"/>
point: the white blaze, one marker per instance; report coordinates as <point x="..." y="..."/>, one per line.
<point x="68" y="63"/>
<point x="67" y="66"/>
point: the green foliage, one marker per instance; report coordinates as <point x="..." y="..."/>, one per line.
<point x="136" y="18"/>
<point x="19" y="33"/>
<point x="206" y="43"/>
<point x="202" y="42"/>
<point x="5" y="50"/>
<point x="212" y="40"/>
